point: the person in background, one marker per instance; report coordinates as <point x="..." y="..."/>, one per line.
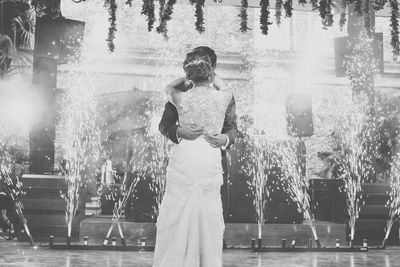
<point x="107" y="172"/>
<point x="6" y="210"/>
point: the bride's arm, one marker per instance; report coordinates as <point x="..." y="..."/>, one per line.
<point x="219" y="83"/>
<point x="177" y="84"/>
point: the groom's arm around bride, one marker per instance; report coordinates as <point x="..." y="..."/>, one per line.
<point x="170" y="128"/>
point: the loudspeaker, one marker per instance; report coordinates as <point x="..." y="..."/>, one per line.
<point x="141" y="204"/>
<point x="328" y="200"/>
<point x="109" y="197"/>
<point x="42" y="133"/>
<point x="299" y="115"/>
<point x="280" y="208"/>
<point x="343" y="46"/>
<point x="41" y="150"/>
<point x="45" y="73"/>
<point x="59" y="38"/>
<point x="240" y="208"/>
<point x="241" y="200"/>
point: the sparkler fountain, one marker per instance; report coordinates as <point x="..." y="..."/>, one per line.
<point x="119" y="207"/>
<point x="257" y="164"/>
<point x="297" y="182"/>
<point x="79" y="138"/>
<point x="354" y="162"/>
<point x="355" y="159"/>
<point x="16" y="117"/>
<point x="12" y="187"/>
<point x="160" y="156"/>
<point x="394" y="196"/>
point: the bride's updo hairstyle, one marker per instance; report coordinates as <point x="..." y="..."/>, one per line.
<point x="197" y="68"/>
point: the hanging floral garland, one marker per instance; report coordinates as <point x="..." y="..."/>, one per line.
<point x="129" y="2"/>
<point x="148" y="10"/>
<point x="394" y="25"/>
<point x="165" y="16"/>
<point x="112" y="11"/>
<point x="288" y="6"/>
<point x="302" y="2"/>
<point x="243" y="16"/>
<point x="278" y="11"/>
<point x="264" y="17"/>
<point x="199" y="16"/>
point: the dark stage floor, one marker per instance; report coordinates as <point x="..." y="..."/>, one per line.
<point x="21" y="254"/>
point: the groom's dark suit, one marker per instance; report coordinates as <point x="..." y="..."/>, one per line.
<point x="169" y="124"/>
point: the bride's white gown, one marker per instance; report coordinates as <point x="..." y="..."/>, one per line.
<point x="190" y="224"/>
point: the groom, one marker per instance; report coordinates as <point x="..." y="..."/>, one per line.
<point x="169" y="126"/>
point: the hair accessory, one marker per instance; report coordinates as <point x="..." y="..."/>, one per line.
<point x="196" y="62"/>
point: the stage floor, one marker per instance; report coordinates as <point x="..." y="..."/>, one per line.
<point x="21" y="254"/>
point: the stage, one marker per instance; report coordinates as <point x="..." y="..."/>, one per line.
<point x="21" y="254"/>
<point x="236" y="234"/>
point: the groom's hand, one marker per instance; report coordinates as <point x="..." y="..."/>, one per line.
<point x="216" y="140"/>
<point x="189" y="132"/>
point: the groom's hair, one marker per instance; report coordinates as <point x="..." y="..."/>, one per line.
<point x="205" y="50"/>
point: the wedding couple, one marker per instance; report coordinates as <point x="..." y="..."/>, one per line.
<point x="200" y="118"/>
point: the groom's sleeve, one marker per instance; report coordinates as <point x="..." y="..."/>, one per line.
<point x="230" y="124"/>
<point x="169" y="123"/>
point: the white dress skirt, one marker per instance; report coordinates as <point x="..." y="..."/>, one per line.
<point x="190" y="225"/>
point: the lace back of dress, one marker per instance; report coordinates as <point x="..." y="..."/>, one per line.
<point x="203" y="107"/>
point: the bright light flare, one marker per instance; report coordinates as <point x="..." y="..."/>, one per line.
<point x="20" y="106"/>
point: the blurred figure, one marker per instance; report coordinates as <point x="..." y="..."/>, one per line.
<point x="6" y="54"/>
<point x="107" y="172"/>
<point x="9" y="217"/>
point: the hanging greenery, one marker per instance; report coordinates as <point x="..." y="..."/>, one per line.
<point x="394" y="25"/>
<point x="325" y="12"/>
<point x="367" y="17"/>
<point x="314" y="5"/>
<point x="264" y="17"/>
<point x="243" y="16"/>
<point x="324" y="7"/>
<point x="342" y="20"/>
<point x="278" y="11"/>
<point x="165" y="16"/>
<point x="161" y="8"/>
<point x="200" y="16"/>
<point x="288" y="6"/>
<point x="358" y="7"/>
<point x="379" y="4"/>
<point x="112" y="18"/>
<point x="148" y="10"/>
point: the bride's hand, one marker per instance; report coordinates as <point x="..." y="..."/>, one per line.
<point x="219" y="83"/>
<point x="216" y="140"/>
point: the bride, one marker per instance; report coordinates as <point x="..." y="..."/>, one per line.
<point x="190" y="224"/>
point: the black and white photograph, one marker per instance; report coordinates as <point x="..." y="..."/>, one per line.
<point x="200" y="133"/>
